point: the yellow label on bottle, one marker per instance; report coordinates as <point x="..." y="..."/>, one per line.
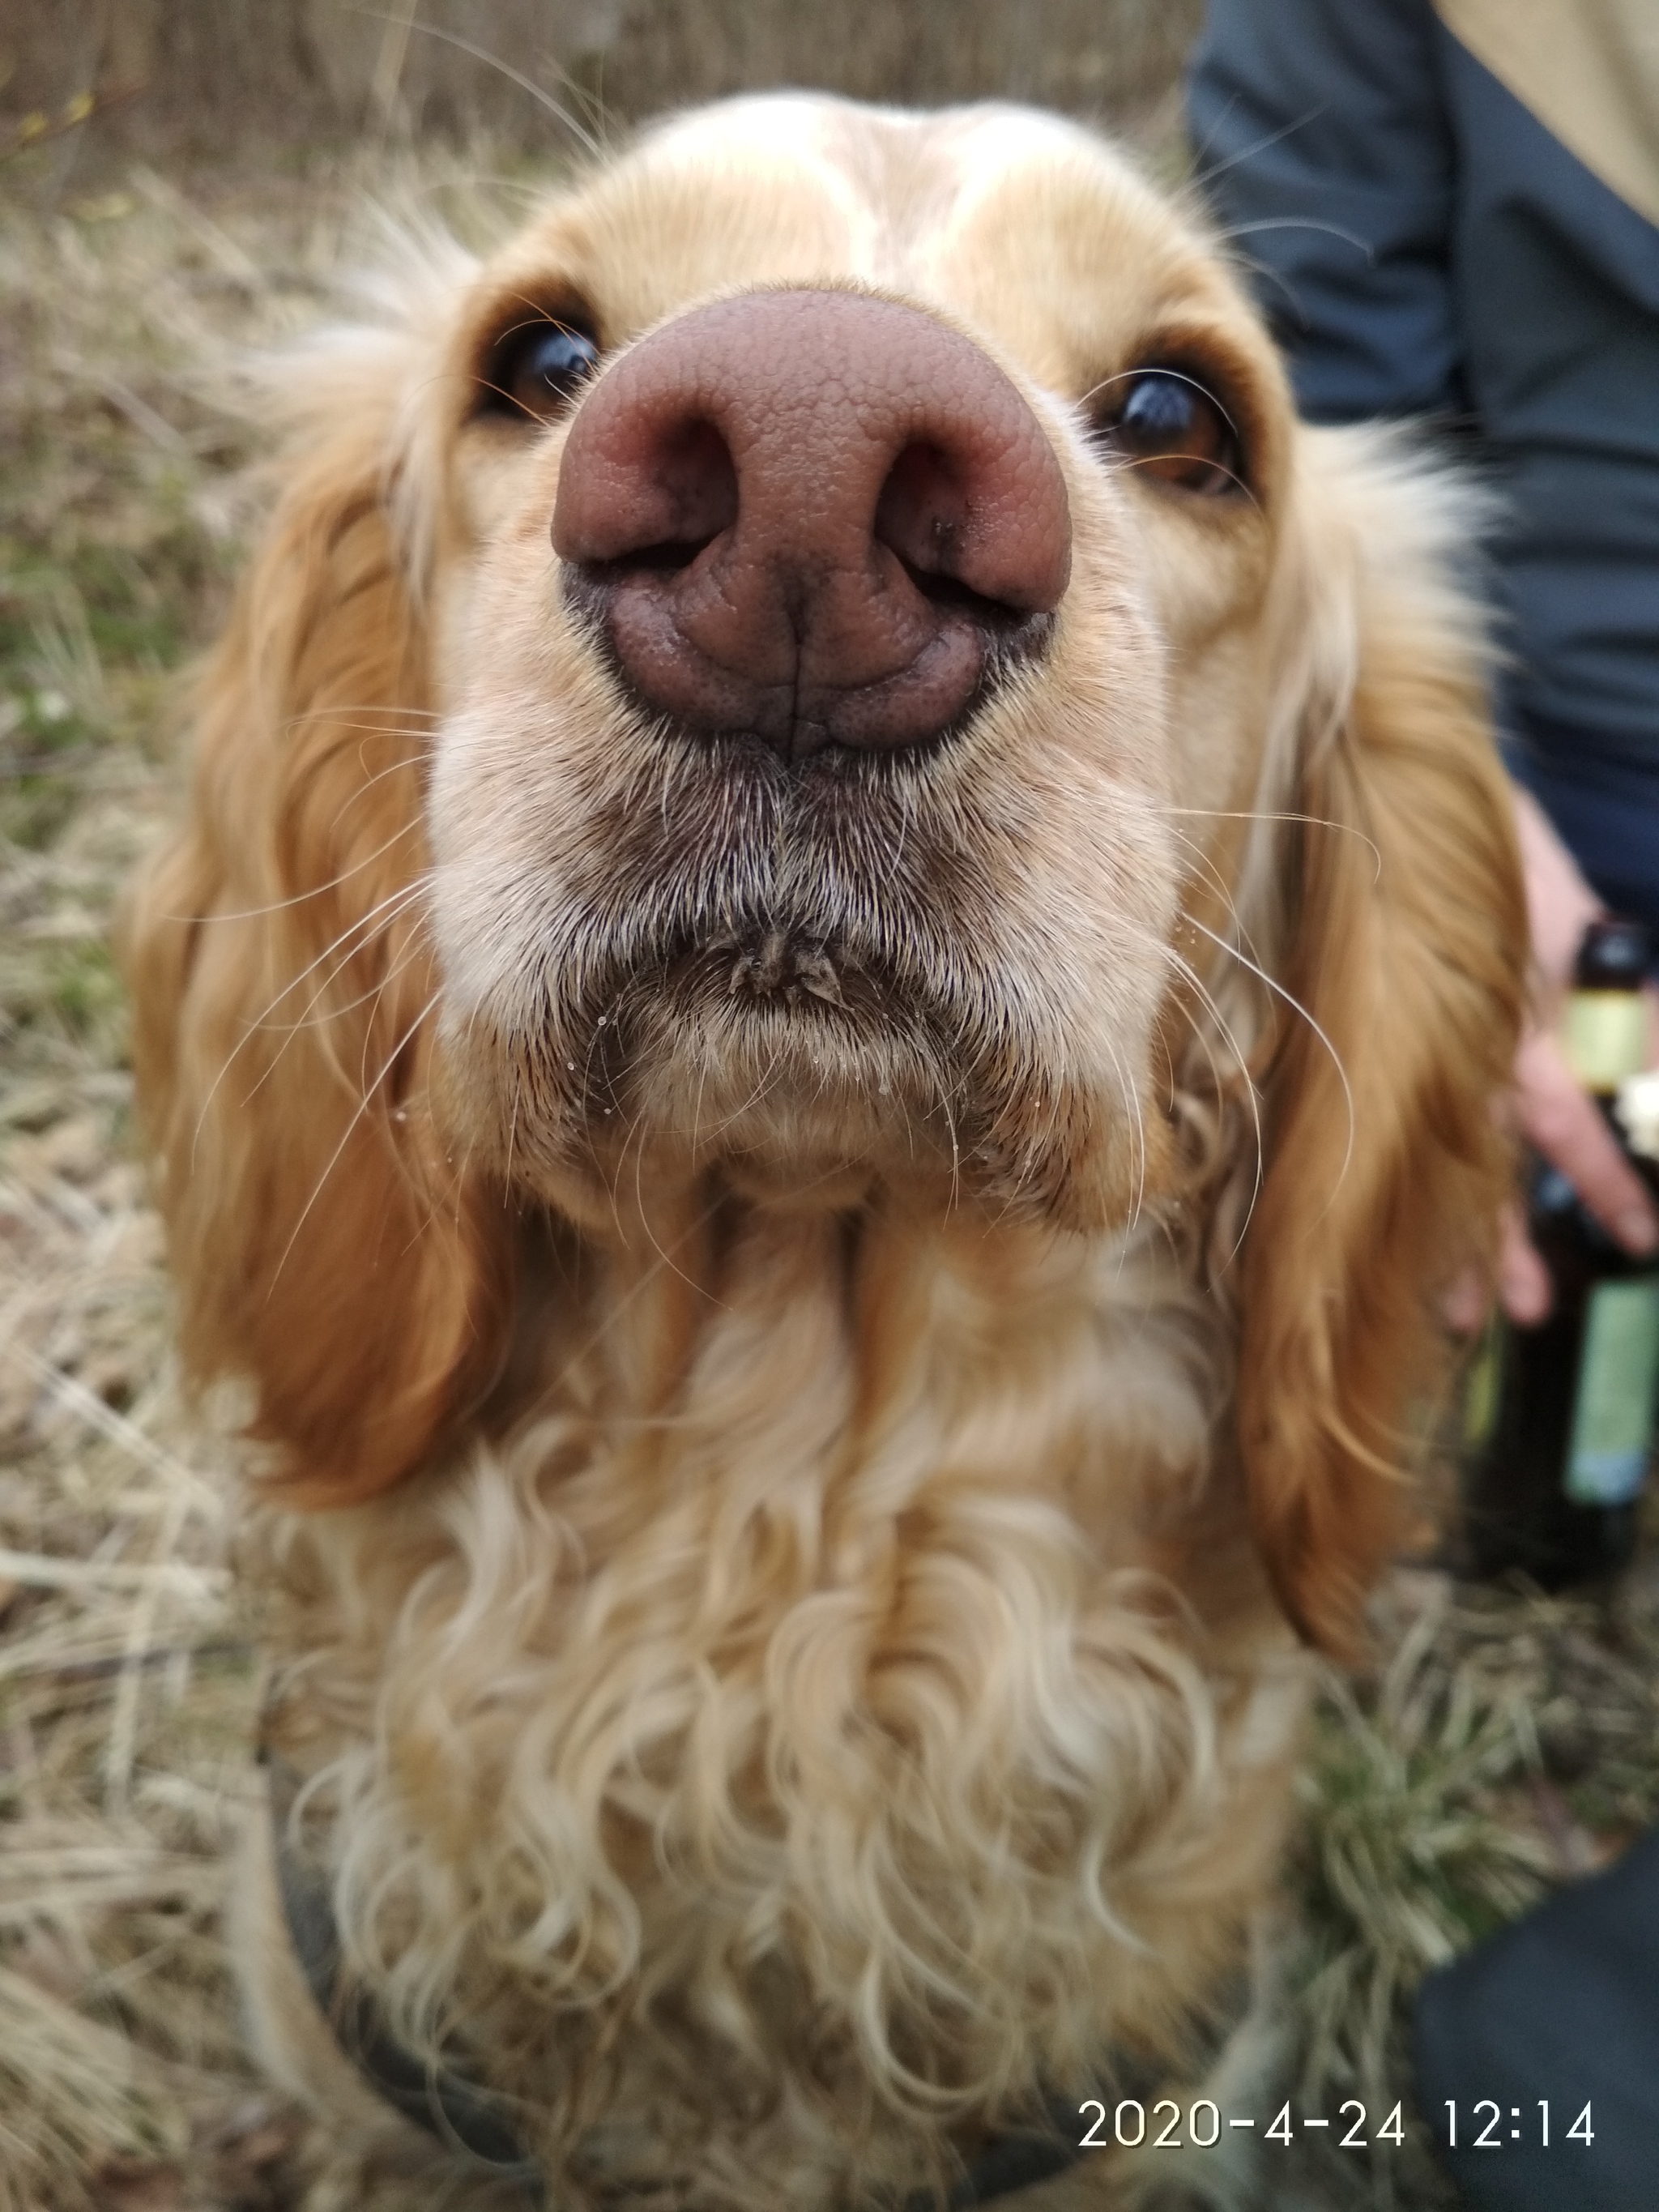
<point x="1483" y="1387"/>
<point x="1606" y="1037"/>
<point x="1618" y="1382"/>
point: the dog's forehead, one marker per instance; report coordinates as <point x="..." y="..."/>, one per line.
<point x="1030" y="226"/>
<point x="896" y="172"/>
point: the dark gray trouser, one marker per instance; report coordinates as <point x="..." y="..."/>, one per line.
<point x="1563" y="2006"/>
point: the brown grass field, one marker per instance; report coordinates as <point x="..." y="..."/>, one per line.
<point x="1501" y="1742"/>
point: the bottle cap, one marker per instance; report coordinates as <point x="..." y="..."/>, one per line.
<point x="1614" y="955"/>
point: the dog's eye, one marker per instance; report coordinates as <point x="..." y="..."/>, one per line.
<point x="1166" y="423"/>
<point x="537" y="367"/>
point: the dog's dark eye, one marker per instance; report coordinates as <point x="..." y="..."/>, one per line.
<point x="1166" y="422"/>
<point x="537" y="367"/>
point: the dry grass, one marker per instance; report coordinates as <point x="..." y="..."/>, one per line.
<point x="218" y="76"/>
<point x="1506" y="1742"/>
<point x="127" y="1692"/>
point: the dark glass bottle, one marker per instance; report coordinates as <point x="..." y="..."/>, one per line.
<point x="1559" y="1420"/>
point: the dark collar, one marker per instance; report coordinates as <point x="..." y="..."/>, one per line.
<point x="467" y="2118"/>
<point x="471" y="2122"/>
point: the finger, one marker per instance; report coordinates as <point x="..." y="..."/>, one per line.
<point x="1559" y="902"/>
<point x="1561" y="1120"/>
<point x="1524" y="1288"/>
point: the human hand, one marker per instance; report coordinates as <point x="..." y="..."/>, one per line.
<point x="1553" y="1112"/>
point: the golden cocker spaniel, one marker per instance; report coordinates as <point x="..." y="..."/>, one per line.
<point x="824" y="1021"/>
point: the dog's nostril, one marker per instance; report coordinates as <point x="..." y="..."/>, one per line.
<point x="692" y="471"/>
<point x="695" y="472"/>
<point x="666" y="558"/>
<point x="676" y="491"/>
<point x="919" y="518"/>
<point x="949" y="593"/>
<point x="921" y="509"/>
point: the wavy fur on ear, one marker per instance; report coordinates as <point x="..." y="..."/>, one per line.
<point x="1407" y="937"/>
<point x="284" y="984"/>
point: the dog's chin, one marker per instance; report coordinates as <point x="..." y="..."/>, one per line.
<point x="802" y="1078"/>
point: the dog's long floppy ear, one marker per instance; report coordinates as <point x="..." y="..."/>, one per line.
<point x="1405" y="941"/>
<point x="326" y="1247"/>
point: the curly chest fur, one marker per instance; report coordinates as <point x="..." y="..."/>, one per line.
<point x="786" y="1725"/>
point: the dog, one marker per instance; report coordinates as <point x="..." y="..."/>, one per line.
<point x="825" y="1021"/>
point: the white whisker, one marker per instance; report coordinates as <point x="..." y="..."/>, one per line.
<point x="1296" y="1007"/>
<point x="378" y="919"/>
<point x="346" y="1135"/>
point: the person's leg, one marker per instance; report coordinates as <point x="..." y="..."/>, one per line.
<point x="1562" y="2011"/>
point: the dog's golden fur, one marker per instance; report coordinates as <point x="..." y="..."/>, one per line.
<point x="782" y="1521"/>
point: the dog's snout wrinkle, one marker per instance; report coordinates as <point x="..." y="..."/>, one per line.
<point x="812" y="516"/>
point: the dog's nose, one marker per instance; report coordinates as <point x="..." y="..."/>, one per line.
<point x="813" y="516"/>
